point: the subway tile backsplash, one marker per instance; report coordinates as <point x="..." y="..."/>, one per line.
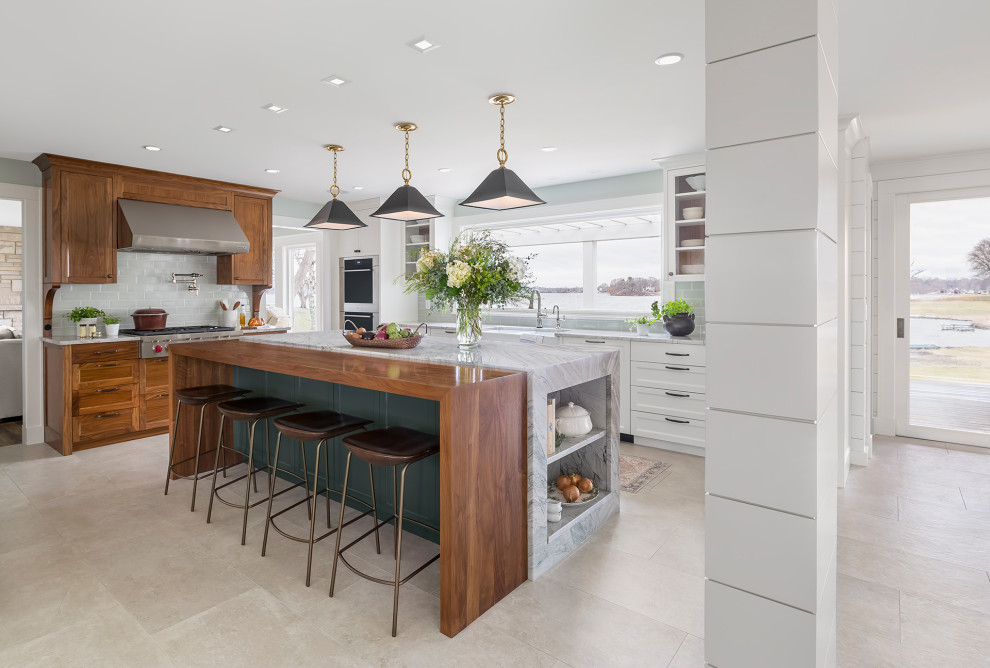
<point x="144" y="281"/>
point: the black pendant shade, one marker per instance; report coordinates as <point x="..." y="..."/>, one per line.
<point x="502" y="189"/>
<point x="407" y="203"/>
<point x="335" y="215"/>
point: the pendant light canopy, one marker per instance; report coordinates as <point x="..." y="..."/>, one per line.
<point x="502" y="189"/>
<point x="335" y="215"/>
<point x="406" y="203"/>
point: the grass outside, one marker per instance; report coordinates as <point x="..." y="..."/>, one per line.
<point x="961" y="364"/>
<point x="966" y="307"/>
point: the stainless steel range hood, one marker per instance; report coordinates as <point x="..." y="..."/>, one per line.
<point x="152" y="227"/>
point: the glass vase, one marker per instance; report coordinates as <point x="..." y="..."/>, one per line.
<point x="468" y="326"/>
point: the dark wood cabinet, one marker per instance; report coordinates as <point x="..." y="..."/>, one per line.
<point x="254" y="214"/>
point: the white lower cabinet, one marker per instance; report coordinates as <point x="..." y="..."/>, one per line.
<point x="668" y="428"/>
<point x="623" y="348"/>
<point x="667" y="390"/>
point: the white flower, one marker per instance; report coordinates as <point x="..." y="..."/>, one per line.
<point x="518" y="268"/>
<point x="458" y="272"/>
<point x="426" y="260"/>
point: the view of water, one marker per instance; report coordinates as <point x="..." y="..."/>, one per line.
<point x="570" y="301"/>
<point x="928" y="331"/>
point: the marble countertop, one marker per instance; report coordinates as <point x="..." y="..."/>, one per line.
<point x="73" y="341"/>
<point x="437" y="350"/>
<point x="696" y="338"/>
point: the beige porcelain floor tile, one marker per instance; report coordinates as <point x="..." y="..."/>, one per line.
<point x="642" y="526"/>
<point x="581" y="629"/>
<point x="415" y="552"/>
<point x="25" y="527"/>
<point x="43" y="590"/>
<point x="883" y="450"/>
<point x="958" y="546"/>
<point x="691" y="654"/>
<point x="664" y="594"/>
<point x="870" y="607"/>
<point x="976" y="499"/>
<point x="919" y="512"/>
<point x="253" y="629"/>
<point x="893" y="480"/>
<point x="855" y="649"/>
<point x="684" y="551"/>
<point x="680" y="481"/>
<point x="44" y="480"/>
<point x="163" y="578"/>
<point x="945" y="629"/>
<point x="684" y="510"/>
<point x="360" y="618"/>
<point x="932" y="578"/>
<point x="20" y="454"/>
<point x="112" y="638"/>
<point x="10" y="495"/>
<point x="863" y="501"/>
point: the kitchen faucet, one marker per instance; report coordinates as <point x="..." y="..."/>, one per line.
<point x="560" y="316"/>
<point x="191" y="281"/>
<point x="540" y="313"/>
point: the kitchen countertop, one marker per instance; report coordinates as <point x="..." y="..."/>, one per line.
<point x="73" y="341"/>
<point x="663" y="337"/>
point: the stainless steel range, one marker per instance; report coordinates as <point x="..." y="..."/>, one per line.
<point x="155" y="342"/>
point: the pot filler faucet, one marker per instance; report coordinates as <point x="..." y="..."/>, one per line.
<point x="191" y="280"/>
<point x="540" y="313"/>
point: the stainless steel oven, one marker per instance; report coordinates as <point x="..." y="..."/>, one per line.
<point x="359" y="288"/>
<point x="351" y="320"/>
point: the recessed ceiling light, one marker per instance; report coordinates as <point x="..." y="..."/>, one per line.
<point x="272" y="171"/>
<point x="669" y="59"/>
<point x="223" y="128"/>
<point x="151" y="148"/>
<point x="334" y="80"/>
<point x="548" y="149"/>
<point x="274" y="108"/>
<point x="423" y="45"/>
<point x="358" y="187"/>
<point x="444" y="170"/>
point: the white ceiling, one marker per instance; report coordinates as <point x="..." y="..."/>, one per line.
<point x="100" y="79"/>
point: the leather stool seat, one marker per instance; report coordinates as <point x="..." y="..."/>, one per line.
<point x="392" y="446"/>
<point x="208" y="394"/>
<point x="318" y="425"/>
<point x="257" y="408"/>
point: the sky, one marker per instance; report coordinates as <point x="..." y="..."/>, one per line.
<point x="560" y="265"/>
<point x="10" y="213"/>
<point x="943" y="234"/>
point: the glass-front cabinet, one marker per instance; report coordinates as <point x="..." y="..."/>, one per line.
<point x="684" y="213"/>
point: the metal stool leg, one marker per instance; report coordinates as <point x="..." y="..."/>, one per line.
<point x="271" y="495"/>
<point x="340" y="526"/>
<point x="395" y="529"/>
<point x="398" y="549"/>
<point x="326" y="473"/>
<point x="310" y="509"/>
<point x="312" y="517"/>
<point x="199" y="443"/>
<point x="171" y="445"/>
<point x="374" y="509"/>
<point x="216" y="465"/>
<point x="247" y="487"/>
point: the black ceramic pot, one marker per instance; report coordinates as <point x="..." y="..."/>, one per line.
<point x="681" y="324"/>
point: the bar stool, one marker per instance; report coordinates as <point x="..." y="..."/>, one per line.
<point x="319" y="426"/>
<point x="253" y="410"/>
<point x="201" y="396"/>
<point x="391" y="446"/>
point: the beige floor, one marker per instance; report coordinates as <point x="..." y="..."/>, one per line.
<point x="97" y="567"/>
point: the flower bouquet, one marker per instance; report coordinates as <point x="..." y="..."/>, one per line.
<point x="477" y="271"/>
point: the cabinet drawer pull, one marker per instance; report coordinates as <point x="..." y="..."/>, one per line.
<point x="109" y="389"/>
<point x="106" y="352"/>
<point x="107" y="415"/>
<point x="677" y="421"/>
<point x="594" y="340"/>
<point x="678" y="394"/>
<point x="161" y="396"/>
<point x="108" y="364"/>
<point x="678" y="368"/>
<point x="678" y="354"/>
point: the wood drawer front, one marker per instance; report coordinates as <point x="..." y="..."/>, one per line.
<point x="102" y="425"/>
<point x="104" y="374"/>
<point x="155" y="410"/>
<point x="667" y="353"/>
<point x="104" y="352"/>
<point x="667" y="376"/>
<point x="669" y="402"/>
<point x="105" y="399"/>
<point x="154" y="374"/>
<point x="668" y="428"/>
<point x="172" y="193"/>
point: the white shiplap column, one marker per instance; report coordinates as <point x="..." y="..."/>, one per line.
<point x="772" y="134"/>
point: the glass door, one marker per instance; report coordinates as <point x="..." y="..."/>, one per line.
<point x="944" y="318"/>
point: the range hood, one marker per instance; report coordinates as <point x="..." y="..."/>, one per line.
<point x="152" y="227"/>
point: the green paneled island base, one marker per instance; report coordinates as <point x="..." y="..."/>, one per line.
<point x="487" y="488"/>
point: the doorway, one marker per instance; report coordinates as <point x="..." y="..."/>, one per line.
<point x="943" y="316"/>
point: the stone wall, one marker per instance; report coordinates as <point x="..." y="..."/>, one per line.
<point x="10" y="277"/>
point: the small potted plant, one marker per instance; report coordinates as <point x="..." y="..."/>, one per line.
<point x="678" y="317"/>
<point x="85" y="315"/>
<point x="111" y="324"/>
<point x="641" y="324"/>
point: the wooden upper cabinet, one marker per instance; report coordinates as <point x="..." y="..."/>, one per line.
<point x="88" y="234"/>
<point x="254" y="214"/>
<point x="161" y="190"/>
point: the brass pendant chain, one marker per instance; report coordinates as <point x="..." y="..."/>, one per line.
<point x="334" y="190"/>
<point x="502" y="154"/>
<point x="406" y="174"/>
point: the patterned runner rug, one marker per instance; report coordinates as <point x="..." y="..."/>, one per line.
<point x="636" y="472"/>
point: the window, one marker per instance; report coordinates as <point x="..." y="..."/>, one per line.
<point x="297" y="282"/>
<point x="608" y="265"/>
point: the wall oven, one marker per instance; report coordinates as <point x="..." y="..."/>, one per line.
<point x="351" y="320"/>
<point x="359" y="290"/>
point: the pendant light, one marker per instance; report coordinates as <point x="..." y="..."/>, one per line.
<point x="406" y="203"/>
<point x="335" y="215"/>
<point x="502" y="189"/>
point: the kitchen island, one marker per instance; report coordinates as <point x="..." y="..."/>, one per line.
<point x="489" y="407"/>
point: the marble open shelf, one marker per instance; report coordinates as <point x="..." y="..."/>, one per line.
<point x="571" y="513"/>
<point x="572" y="444"/>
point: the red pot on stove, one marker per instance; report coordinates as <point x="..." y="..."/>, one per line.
<point x="149" y="318"/>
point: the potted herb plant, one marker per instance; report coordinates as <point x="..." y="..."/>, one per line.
<point x="85" y="315"/>
<point x="641" y="324"/>
<point x="678" y="317"/>
<point x="112" y="324"/>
